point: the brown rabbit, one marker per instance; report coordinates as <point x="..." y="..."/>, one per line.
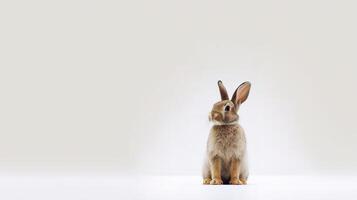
<point x="226" y="146"/>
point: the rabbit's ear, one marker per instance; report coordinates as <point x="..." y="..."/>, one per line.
<point x="241" y="93"/>
<point x="223" y="91"/>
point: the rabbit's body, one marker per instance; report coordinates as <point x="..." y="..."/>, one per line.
<point x="226" y="142"/>
<point x="226" y="159"/>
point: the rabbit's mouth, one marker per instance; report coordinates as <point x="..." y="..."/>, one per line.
<point x="230" y="118"/>
<point x="231" y="122"/>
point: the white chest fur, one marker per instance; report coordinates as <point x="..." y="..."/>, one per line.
<point x="226" y="142"/>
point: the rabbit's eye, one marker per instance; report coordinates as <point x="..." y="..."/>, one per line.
<point x="227" y="108"/>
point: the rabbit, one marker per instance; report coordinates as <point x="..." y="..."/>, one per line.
<point x="226" y="159"/>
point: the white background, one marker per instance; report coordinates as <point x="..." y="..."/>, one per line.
<point x="126" y="86"/>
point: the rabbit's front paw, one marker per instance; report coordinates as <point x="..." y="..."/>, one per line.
<point x="216" y="181"/>
<point x="235" y="181"/>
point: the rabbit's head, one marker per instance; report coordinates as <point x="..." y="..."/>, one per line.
<point x="225" y="111"/>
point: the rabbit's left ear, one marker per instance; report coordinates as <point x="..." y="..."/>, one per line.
<point x="241" y="94"/>
<point x="222" y="91"/>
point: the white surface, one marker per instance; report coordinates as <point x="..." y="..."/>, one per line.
<point x="174" y="187"/>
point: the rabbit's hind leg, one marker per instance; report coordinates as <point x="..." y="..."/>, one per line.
<point x="206" y="173"/>
<point x="244" y="173"/>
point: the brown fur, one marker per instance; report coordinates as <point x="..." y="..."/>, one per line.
<point x="226" y="146"/>
<point x="216" y="167"/>
<point x="234" y="171"/>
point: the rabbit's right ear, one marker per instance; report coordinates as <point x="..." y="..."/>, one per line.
<point x="222" y="91"/>
<point x="241" y="93"/>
